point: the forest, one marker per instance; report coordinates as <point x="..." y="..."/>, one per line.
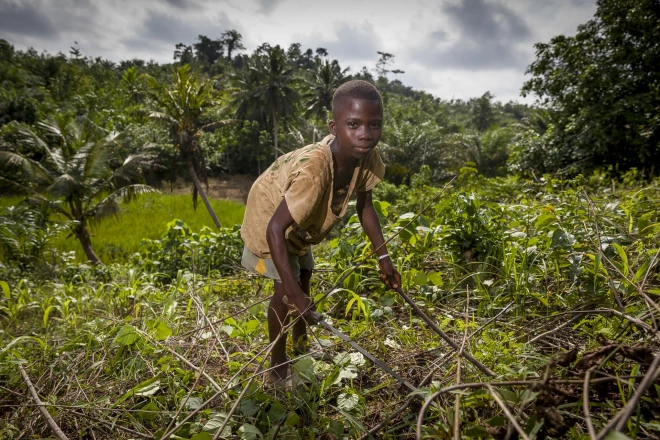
<point x="527" y="237"/>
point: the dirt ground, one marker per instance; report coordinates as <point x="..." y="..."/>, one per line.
<point x="234" y="188"/>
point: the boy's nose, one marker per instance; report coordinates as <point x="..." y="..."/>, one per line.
<point x="365" y="133"/>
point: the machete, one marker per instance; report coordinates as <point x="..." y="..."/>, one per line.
<point x="366" y="354"/>
<point x="442" y="334"/>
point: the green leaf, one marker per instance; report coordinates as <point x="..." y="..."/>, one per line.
<point x="5" y="289"/>
<point x="126" y="335"/>
<point x="248" y="407"/>
<point x="162" y="331"/>
<point x="202" y="436"/>
<point x="624" y="258"/>
<point x="249" y="432"/>
<point x="145" y="414"/>
<point x="194" y="403"/>
<point x="147" y="388"/>
<point x="277" y="411"/>
<point x="476" y="431"/>
<point x="347" y="401"/>
<point x="292" y="419"/>
<point x="215" y="422"/>
<point x="305" y="367"/>
<point x="435" y="278"/>
<point x="420" y="278"/>
<point x="544" y="220"/>
<point x="617" y="436"/>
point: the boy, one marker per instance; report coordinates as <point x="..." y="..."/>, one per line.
<point x="298" y="200"/>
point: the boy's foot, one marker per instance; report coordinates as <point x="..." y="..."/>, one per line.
<point x="287" y="383"/>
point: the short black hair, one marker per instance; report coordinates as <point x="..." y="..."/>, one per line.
<point x="355" y="89"/>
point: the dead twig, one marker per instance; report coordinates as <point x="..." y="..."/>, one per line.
<point x="457" y="402"/>
<point x="508" y="414"/>
<point x="42" y="408"/>
<point x="585" y="405"/>
<point x="113" y="425"/>
<point x="556" y="329"/>
<point x="618" y="422"/>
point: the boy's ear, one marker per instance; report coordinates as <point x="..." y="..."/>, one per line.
<point x="332" y="125"/>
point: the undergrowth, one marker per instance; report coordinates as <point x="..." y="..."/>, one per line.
<point x="545" y="281"/>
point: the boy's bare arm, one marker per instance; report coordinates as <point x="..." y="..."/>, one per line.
<point x="371" y="225"/>
<point x="277" y="227"/>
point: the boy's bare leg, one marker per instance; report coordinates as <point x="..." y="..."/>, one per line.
<point x="300" y="327"/>
<point x="277" y="318"/>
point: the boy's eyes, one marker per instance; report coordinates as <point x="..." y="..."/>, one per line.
<point x="355" y="125"/>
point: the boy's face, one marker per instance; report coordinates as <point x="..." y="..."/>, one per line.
<point x="357" y="125"/>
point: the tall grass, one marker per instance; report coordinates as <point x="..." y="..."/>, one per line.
<point x="116" y="238"/>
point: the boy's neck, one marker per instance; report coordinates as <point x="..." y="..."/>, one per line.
<point x="342" y="159"/>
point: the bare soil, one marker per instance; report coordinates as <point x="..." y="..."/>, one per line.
<point x="235" y="188"/>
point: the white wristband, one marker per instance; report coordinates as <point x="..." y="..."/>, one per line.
<point x="382" y="256"/>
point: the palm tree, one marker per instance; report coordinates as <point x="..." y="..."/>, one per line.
<point x="182" y="108"/>
<point x="324" y="81"/>
<point x="81" y="177"/>
<point x="266" y="89"/>
<point x="489" y="151"/>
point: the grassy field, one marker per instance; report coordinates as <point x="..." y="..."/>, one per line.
<point x="117" y="237"/>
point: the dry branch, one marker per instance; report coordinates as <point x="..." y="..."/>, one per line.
<point x="42" y="408"/>
<point x="507" y="413"/>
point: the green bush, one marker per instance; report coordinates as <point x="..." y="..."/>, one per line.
<point x="182" y="249"/>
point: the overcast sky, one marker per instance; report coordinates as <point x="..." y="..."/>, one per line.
<point x="450" y="48"/>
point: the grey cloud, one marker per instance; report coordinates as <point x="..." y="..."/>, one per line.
<point x="175" y="29"/>
<point x="181" y="4"/>
<point x="481" y="20"/>
<point x="353" y="43"/>
<point x="25" y="19"/>
<point x="268" y="6"/>
<point x="488" y="37"/>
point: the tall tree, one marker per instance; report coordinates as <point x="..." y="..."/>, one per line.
<point x="79" y="175"/>
<point x="232" y="40"/>
<point x="381" y="65"/>
<point x="604" y="87"/>
<point x="482" y="111"/>
<point x="324" y="80"/>
<point x="268" y="86"/>
<point x="207" y="50"/>
<point x="183" y="54"/>
<point x="182" y="107"/>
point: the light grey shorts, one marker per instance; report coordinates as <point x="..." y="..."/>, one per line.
<point x="266" y="267"/>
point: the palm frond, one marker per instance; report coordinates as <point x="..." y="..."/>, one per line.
<point x="131" y="169"/>
<point x="32" y="169"/>
<point x="219" y="124"/>
<point x="93" y="158"/>
<point x="54" y="155"/>
<point x="128" y="193"/>
<point x="165" y="117"/>
<point x="65" y="185"/>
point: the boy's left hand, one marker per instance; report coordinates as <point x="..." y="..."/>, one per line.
<point x="389" y="275"/>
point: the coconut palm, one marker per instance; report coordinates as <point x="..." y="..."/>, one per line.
<point x="79" y="176"/>
<point x="182" y="107"/>
<point x="488" y="151"/>
<point x="266" y="89"/>
<point x="324" y="81"/>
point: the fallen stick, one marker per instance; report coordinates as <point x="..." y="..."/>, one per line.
<point x="42" y="408"/>
<point x="113" y="425"/>
<point x="508" y="414"/>
<point x="484" y="369"/>
<point x="368" y="355"/>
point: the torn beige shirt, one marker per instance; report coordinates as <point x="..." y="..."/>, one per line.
<point x="304" y="179"/>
